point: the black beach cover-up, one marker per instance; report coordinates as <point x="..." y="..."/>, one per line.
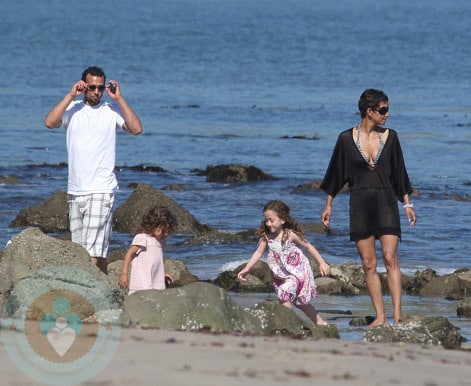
<point x="373" y="191"/>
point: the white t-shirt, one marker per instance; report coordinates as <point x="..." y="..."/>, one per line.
<point x="91" y="146"/>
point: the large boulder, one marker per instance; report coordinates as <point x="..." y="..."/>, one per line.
<point x="197" y="306"/>
<point x="51" y="215"/>
<point x="418" y="329"/>
<point x="34" y="263"/>
<point x="129" y="214"/>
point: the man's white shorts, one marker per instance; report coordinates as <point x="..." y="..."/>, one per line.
<point x="90" y="217"/>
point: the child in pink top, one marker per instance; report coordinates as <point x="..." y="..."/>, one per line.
<point x="145" y="256"/>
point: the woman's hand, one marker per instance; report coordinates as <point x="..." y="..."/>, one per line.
<point x="326" y="215"/>
<point x="411" y="216"/>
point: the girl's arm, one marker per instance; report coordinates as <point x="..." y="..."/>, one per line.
<point x="130" y="254"/>
<point x="262" y="244"/>
<point x="324" y="268"/>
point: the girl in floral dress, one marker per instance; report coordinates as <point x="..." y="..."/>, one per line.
<point x="292" y="274"/>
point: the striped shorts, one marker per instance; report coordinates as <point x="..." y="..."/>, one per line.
<point x="90" y="218"/>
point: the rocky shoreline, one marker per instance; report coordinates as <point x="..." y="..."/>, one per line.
<point x="208" y="305"/>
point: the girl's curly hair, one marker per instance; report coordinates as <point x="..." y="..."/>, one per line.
<point x="282" y="210"/>
<point x="157" y="217"/>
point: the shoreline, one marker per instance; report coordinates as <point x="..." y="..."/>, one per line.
<point x="168" y="357"/>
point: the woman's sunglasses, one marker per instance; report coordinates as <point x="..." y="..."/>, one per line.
<point x="382" y="110"/>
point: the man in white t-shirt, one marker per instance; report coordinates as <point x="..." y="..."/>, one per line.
<point x="91" y="126"/>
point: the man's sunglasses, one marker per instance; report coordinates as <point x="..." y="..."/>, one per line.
<point x="382" y="110"/>
<point x="93" y="87"/>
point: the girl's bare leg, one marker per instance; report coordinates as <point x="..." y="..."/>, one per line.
<point x="310" y="312"/>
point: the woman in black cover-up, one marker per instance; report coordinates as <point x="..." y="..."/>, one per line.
<point x="369" y="159"/>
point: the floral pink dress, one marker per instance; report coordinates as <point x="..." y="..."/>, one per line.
<point x="292" y="274"/>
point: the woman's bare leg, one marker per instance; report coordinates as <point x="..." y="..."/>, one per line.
<point x="391" y="262"/>
<point x="367" y="251"/>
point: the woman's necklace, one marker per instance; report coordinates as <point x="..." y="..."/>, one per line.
<point x="373" y="163"/>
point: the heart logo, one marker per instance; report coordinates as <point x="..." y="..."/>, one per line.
<point x="61" y="331"/>
<point x="61" y="337"/>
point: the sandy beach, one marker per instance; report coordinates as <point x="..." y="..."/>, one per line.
<point x="162" y="357"/>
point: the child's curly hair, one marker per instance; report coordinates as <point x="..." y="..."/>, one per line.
<point x="282" y="210"/>
<point x="157" y="217"/>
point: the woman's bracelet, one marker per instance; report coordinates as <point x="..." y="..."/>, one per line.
<point x="408" y="206"/>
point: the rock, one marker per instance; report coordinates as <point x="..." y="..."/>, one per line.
<point x="464" y="276"/>
<point x="7" y="180"/>
<point x="317" y="228"/>
<point x="235" y="173"/>
<point x="215" y="237"/>
<point x="420" y="279"/>
<point x="196" y="307"/>
<point x="418" y="329"/>
<point x="52" y="215"/>
<point x="446" y="286"/>
<point x="361" y="321"/>
<point x="179" y="272"/>
<point x="174" y="187"/>
<point x="276" y="319"/>
<point x="314" y="186"/>
<point x="144" y="168"/>
<point x="352" y="277"/>
<point x="258" y="280"/>
<point x="35" y="262"/>
<point x="452" y="286"/>
<point x="129" y="214"/>
<point x="116" y="255"/>
<point x="464" y="307"/>
<point x="328" y="286"/>
<point x="309" y="186"/>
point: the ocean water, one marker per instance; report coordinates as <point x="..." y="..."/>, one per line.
<point x="217" y="82"/>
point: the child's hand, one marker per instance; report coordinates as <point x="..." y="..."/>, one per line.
<point x="324" y="269"/>
<point x="168" y="279"/>
<point x="124" y="281"/>
<point x="242" y="274"/>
